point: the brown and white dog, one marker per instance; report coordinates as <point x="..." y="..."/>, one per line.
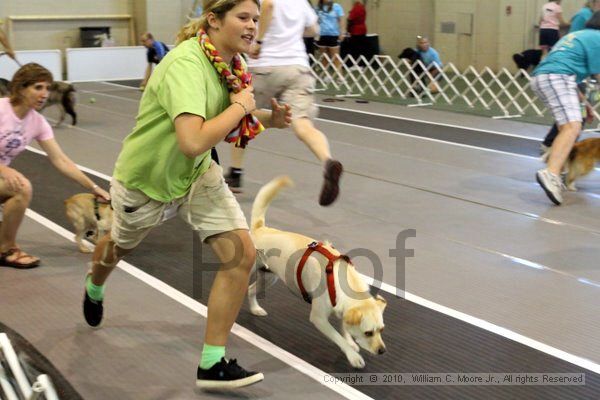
<point x="581" y="161"/>
<point x="90" y="217"/>
<point x="342" y="292"/>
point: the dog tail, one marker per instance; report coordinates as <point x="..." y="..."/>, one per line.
<point x="264" y="197"/>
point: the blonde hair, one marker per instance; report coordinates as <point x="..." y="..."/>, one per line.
<point x="218" y="7"/>
<point x="27" y="75"/>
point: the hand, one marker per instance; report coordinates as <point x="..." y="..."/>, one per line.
<point x="246" y="97"/>
<point x="14" y="179"/>
<point x="98" y="191"/>
<point x="254" y="50"/>
<point x="281" y="116"/>
<point x="11" y="54"/>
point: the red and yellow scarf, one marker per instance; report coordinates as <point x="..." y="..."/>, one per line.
<point x="236" y="80"/>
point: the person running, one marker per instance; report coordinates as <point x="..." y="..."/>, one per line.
<point x="199" y="95"/>
<point x="575" y="57"/>
<point x="279" y="64"/>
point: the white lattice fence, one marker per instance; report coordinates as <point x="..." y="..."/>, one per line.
<point x="505" y="93"/>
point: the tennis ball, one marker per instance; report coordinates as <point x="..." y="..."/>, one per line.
<point x="92" y="100"/>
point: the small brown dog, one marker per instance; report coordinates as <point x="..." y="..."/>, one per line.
<point x="582" y="159"/>
<point x="90" y="217"/>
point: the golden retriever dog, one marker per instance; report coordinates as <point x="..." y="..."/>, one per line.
<point x="327" y="280"/>
<point x="90" y="217"/>
<point x="581" y="161"/>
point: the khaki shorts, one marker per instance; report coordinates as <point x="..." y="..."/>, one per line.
<point x="291" y="84"/>
<point x="209" y="208"/>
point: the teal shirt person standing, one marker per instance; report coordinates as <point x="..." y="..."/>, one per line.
<point x="576" y="54"/>
<point x="578" y="21"/>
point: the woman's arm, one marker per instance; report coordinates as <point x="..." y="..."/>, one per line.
<point x="68" y="168"/>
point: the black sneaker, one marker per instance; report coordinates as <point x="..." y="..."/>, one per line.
<point x="226" y="375"/>
<point x="92" y="310"/>
<point x="234" y="180"/>
<point x="331" y="188"/>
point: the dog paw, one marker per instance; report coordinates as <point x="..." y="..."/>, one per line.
<point x="355" y="359"/>
<point x="258" y="311"/>
<point x="85" y="249"/>
<point x="571" y="187"/>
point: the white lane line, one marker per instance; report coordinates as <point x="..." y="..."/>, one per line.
<point x="111" y="96"/>
<point x="121" y="86"/>
<point x="295" y="362"/>
<point x="488" y="326"/>
<point x="408" y="135"/>
<point x="82" y="168"/>
<point x="429" y="122"/>
<point x="478" y="322"/>
<point x="301" y="365"/>
<point x="110" y="139"/>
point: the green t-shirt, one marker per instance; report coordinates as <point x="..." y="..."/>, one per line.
<point x="184" y="82"/>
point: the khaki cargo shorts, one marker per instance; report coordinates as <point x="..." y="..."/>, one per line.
<point x="209" y="208"/>
<point x="291" y="84"/>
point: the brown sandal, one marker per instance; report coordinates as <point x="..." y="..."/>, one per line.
<point x="19" y="255"/>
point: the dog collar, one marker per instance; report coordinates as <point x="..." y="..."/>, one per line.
<point x="96" y="208"/>
<point x="319" y="248"/>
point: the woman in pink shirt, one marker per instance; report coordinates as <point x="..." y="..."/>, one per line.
<point x="550" y="23"/>
<point x="21" y="123"/>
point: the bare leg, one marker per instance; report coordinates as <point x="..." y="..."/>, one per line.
<point x="236" y="251"/>
<point x="13" y="213"/>
<point x="567" y="134"/>
<point x="314" y="139"/>
<point x="106" y="256"/>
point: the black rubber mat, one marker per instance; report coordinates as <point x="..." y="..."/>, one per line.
<point x="467" y="136"/>
<point x="36" y="364"/>
<point x="418" y="339"/>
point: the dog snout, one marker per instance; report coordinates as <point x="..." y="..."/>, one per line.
<point x="381" y="350"/>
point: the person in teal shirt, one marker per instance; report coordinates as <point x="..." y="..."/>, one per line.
<point x="165" y="168"/>
<point x="575" y="57"/>
<point x="332" y="29"/>
<point x="582" y="16"/>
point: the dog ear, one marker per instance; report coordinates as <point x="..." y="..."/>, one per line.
<point x="353" y="316"/>
<point x="381" y="302"/>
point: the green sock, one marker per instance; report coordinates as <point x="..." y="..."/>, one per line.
<point x="211" y="355"/>
<point x="95" y="292"/>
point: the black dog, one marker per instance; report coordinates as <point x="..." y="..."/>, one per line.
<point x="528" y="58"/>
<point x="4" y="87"/>
<point x="413" y="56"/>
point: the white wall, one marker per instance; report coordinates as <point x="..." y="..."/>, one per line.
<point x="496" y="35"/>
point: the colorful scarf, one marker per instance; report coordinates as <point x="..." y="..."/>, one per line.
<point x="237" y="80"/>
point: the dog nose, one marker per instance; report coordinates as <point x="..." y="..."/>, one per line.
<point x="381" y="350"/>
